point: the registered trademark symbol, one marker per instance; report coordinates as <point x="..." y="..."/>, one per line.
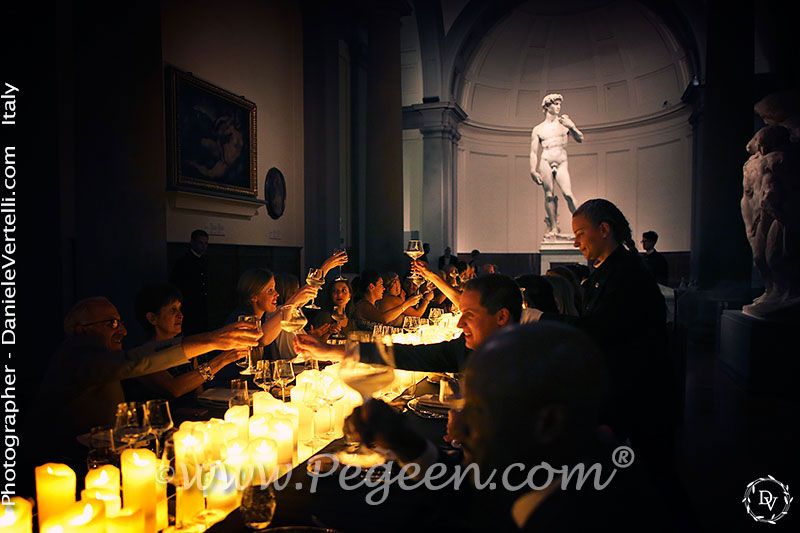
<point x="623" y="457"/>
<point x="298" y="486"/>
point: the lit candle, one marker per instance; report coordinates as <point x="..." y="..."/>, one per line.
<point x="230" y="431"/>
<point x="239" y="415"/>
<point x="139" y="483"/>
<point x="265" y="403"/>
<point x="17" y="516"/>
<point x="263" y="458"/>
<point x="215" y="438"/>
<point x="55" y="490"/>
<point x="303" y="421"/>
<point x="162" y="515"/>
<point x="221" y="493"/>
<point x="109" y="497"/>
<point x="188" y="447"/>
<point x="105" y="477"/>
<point x="86" y="516"/>
<point x="258" y="426"/>
<point x="125" y="521"/>
<point x="189" y="498"/>
<point x="281" y="431"/>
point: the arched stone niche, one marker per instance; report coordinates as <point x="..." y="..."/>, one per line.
<point x="622" y="74"/>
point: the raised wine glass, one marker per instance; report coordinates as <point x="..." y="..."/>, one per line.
<point x="339" y="277"/>
<point x="315" y="279"/>
<point x="249" y="368"/>
<point x="414" y="251"/>
<point x="159" y="419"/>
<point x="283" y="374"/>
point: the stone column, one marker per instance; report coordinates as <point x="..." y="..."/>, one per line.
<point x="719" y="246"/>
<point x="438" y="123"/>
<point x="383" y="235"/>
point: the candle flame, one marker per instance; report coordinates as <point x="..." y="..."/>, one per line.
<point x="103" y="478"/>
<point x="50" y="470"/>
<point x="234" y="448"/>
<point x="190" y="441"/>
<point x="138" y="461"/>
<point x="87" y="515"/>
<point x="98" y="495"/>
<point x="9" y="517"/>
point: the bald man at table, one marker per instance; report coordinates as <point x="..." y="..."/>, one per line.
<point x="488" y="304"/>
<point x="81" y="387"/>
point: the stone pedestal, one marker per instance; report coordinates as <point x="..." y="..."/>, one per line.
<point x="760" y="354"/>
<point x="556" y="253"/>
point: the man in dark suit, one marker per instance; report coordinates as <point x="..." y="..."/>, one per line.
<point x="190" y="275"/>
<point x="532" y="395"/>
<point x="654" y="261"/>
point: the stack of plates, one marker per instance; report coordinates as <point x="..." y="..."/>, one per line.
<point x="428" y="406"/>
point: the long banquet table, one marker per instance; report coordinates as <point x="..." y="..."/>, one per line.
<point x="346" y="510"/>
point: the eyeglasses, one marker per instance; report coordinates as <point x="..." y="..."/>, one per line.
<point x="113" y="322"/>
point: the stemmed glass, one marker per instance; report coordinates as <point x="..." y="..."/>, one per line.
<point x="311" y="400"/>
<point x="367" y="370"/>
<point x="283" y="374"/>
<point x="339" y="277"/>
<point x="315" y="279"/>
<point x="159" y="419"/>
<point x="250" y="369"/>
<point x="331" y="391"/>
<point x="414" y="251"/>
<point x="292" y="319"/>
<point x="131" y="422"/>
<point x="263" y="377"/>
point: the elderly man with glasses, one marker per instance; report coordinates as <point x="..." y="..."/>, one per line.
<point x="81" y="387"/>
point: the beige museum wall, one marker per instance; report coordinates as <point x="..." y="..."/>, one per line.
<point x="254" y="49"/>
<point x="644" y="168"/>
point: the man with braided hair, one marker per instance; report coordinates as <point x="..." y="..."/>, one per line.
<point x="552" y="134"/>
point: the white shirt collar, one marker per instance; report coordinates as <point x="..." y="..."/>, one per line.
<point x="525" y="505"/>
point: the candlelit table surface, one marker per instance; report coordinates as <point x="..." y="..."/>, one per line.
<point x="346" y="510"/>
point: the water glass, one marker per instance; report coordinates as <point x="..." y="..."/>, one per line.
<point x="258" y="506"/>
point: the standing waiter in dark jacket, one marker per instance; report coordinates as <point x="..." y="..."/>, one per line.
<point x="190" y="275"/>
<point x="624" y="312"/>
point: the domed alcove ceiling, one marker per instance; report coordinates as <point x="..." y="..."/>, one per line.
<point x="614" y="63"/>
<point x="622" y="74"/>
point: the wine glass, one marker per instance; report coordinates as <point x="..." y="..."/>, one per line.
<point x="292" y="319"/>
<point x="283" y="374"/>
<point x="130" y="422"/>
<point x="311" y="400"/>
<point x="339" y="277"/>
<point x="263" y="377"/>
<point x="249" y="368"/>
<point x="367" y="366"/>
<point x="258" y="506"/>
<point x="331" y="391"/>
<point x="159" y="419"/>
<point x="315" y="279"/>
<point x="414" y="251"/>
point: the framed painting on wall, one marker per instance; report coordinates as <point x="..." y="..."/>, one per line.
<point x="211" y="137"/>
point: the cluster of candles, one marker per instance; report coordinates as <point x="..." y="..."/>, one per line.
<point x="214" y="461"/>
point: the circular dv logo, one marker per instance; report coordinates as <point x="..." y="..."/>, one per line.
<point x="767" y="500"/>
